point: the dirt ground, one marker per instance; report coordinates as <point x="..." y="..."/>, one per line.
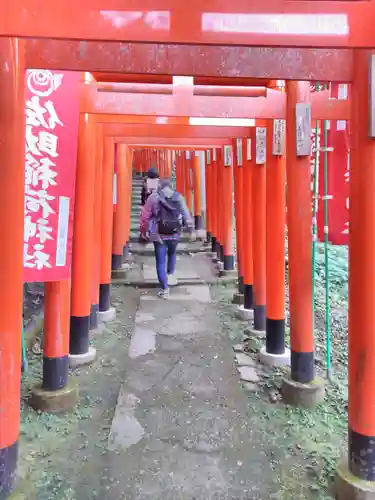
<point x="293" y="452"/>
<point x="32" y="301"/>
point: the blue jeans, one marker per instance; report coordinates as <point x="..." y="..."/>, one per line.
<point x="163" y="250"/>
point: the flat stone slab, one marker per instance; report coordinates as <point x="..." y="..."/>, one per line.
<point x="148" y="249"/>
<point x="243" y="359"/>
<point x="143" y="317"/>
<point x="126" y="430"/>
<point x="182" y="272"/>
<point x="251" y="387"/>
<point x="198" y="293"/>
<point x="142" y="342"/>
<point x="248" y="374"/>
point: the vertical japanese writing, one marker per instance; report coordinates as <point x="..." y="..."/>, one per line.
<point x="239" y="152"/>
<point x="248" y="149"/>
<point x="260" y="145"/>
<point x="227" y="156"/>
<point x="303" y="128"/>
<point x="41" y="154"/>
<point x="278" y="140"/>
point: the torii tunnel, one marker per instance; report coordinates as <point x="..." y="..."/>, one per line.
<point x="94" y="92"/>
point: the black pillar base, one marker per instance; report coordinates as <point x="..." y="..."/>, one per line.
<point x="217" y="248"/>
<point x="198" y="222"/>
<point x="208" y="237"/>
<point x="8" y="467"/>
<point x="275" y="338"/>
<point x="302" y="366"/>
<point x="79" y="334"/>
<point x="361" y="455"/>
<point x="125" y="252"/>
<point x="55" y="373"/>
<point x="248" y="296"/>
<point x="221" y="253"/>
<point x="213" y="244"/>
<point x="104" y="297"/>
<point x="241" y="285"/>
<point x="228" y="262"/>
<point x="259" y="318"/>
<point x="116" y="261"/>
<point x="94" y="323"/>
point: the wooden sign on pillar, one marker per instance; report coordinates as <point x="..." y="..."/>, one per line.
<point x="303" y="129"/>
<point x="260" y="145"/>
<point x="227" y="156"/>
<point x="248" y="149"/>
<point x="239" y="152"/>
<point x="278" y="142"/>
<point x="50" y="169"/>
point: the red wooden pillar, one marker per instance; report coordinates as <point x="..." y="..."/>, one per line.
<point x="12" y="147"/>
<point x="83" y="239"/>
<point x="299" y="247"/>
<point x="157" y="162"/>
<point x="144" y="160"/>
<point x="238" y="171"/>
<point x="274" y="352"/>
<point x="97" y="227"/>
<point x="220" y="239"/>
<point x="359" y="481"/>
<point x="259" y="228"/>
<point x="188" y="186"/>
<point x="169" y="163"/>
<point x="247" y="254"/>
<point x="208" y="168"/>
<point x="128" y="197"/>
<point x="226" y="214"/>
<point x="215" y="242"/>
<point x="57" y="393"/>
<point x="303" y="388"/>
<point x="196" y="175"/>
<point x="120" y="213"/>
<point x="105" y="310"/>
<point x="179" y="174"/>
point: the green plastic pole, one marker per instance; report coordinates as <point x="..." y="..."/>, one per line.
<point x="24" y="365"/>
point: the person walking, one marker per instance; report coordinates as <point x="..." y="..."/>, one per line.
<point x="163" y="218"/>
<point x="150" y="183"/>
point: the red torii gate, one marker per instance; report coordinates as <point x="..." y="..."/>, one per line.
<point x="346" y="25"/>
<point x="307" y="24"/>
<point x="271" y="107"/>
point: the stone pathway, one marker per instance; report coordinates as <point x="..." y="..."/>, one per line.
<point x="181" y="428"/>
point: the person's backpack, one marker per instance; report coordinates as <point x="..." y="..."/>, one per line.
<point x="170" y="216"/>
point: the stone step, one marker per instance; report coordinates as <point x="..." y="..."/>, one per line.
<point x="183" y="248"/>
<point x="181" y="282"/>
<point x="155" y="283"/>
<point x="134" y="235"/>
